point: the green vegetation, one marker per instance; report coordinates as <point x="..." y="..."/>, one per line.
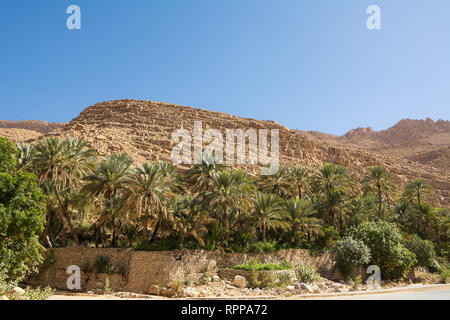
<point x="22" y="209"/>
<point x="254" y="265"/>
<point x="113" y="203"/>
<point x="307" y="274"/>
<point x="351" y="255"/>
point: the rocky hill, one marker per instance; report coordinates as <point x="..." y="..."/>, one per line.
<point x="143" y="129"/>
<point x="26" y="130"/>
<point x="424" y="141"/>
<point x="32" y="125"/>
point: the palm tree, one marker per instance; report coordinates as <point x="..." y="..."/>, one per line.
<point x="416" y="188"/>
<point x="301" y="179"/>
<point x="63" y="162"/>
<point x="301" y="216"/>
<point x="380" y="181"/>
<point x="333" y="206"/>
<point x="279" y="183"/>
<point x="229" y="189"/>
<point x="108" y="180"/>
<point x="148" y="187"/>
<point x="25" y="156"/>
<point x="199" y="177"/>
<point x="267" y="213"/>
<point x="189" y="220"/>
<point x="331" y="177"/>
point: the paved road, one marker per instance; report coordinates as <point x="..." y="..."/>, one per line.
<point x="438" y="294"/>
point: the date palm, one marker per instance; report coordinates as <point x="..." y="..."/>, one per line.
<point x="63" y="162"/>
<point x="379" y="181"/>
<point x="416" y="189"/>
<point x="149" y="186"/>
<point x="108" y="181"/>
<point x="301" y="179"/>
<point x="267" y="214"/>
<point x="279" y="183"/>
<point x="199" y="177"/>
<point x="301" y="216"/>
<point x="230" y="188"/>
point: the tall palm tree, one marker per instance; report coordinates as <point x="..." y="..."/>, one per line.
<point x="107" y="181"/>
<point x="301" y="216"/>
<point x="379" y="180"/>
<point x="331" y="177"/>
<point x="417" y="189"/>
<point x="148" y="187"/>
<point x="189" y="220"/>
<point x="267" y="214"/>
<point x="229" y="189"/>
<point x="63" y="162"/>
<point x="279" y="183"/>
<point x="199" y="177"/>
<point x="301" y="179"/>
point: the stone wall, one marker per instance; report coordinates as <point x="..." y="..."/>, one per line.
<point x="165" y="268"/>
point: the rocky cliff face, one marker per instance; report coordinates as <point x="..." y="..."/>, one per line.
<point x="144" y="129"/>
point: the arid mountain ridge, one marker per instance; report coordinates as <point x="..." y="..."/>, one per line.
<point x="143" y="129"/>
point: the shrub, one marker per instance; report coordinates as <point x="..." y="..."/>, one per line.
<point x="38" y="293"/>
<point x="351" y="254"/>
<point x="253" y="265"/>
<point x="307" y="274"/>
<point x="261" y="247"/>
<point x="424" y="251"/>
<point x="387" y="251"/>
<point x="22" y="209"/>
<point x="445" y="274"/>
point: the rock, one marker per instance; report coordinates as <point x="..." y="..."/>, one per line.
<point x="190" y="292"/>
<point x="290" y="288"/>
<point x="216" y="279"/>
<point x="4" y="298"/>
<point x="239" y="281"/>
<point x="154" y="290"/>
<point x="18" y="291"/>
<point x="297" y="286"/>
<point x="322" y="286"/>
<point x="168" y="292"/>
<point x="100" y="137"/>
<point x="306" y="287"/>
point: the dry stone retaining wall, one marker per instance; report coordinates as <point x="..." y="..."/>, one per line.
<point x="165" y="268"/>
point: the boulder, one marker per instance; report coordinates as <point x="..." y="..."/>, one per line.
<point x="154" y="290"/>
<point x="306" y="287"/>
<point x="18" y="291"/>
<point x="168" y="292"/>
<point x="240" y="281"/>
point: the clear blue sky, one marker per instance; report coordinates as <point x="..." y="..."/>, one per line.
<point x="308" y="64"/>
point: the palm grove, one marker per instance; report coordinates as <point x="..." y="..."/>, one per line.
<point x="84" y="200"/>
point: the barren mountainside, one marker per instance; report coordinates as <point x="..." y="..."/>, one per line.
<point x="143" y="129"/>
<point x="424" y="141"/>
<point x="32" y="125"/>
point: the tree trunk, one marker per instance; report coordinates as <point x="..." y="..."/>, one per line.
<point x="155" y="231"/>
<point x="380" y="203"/>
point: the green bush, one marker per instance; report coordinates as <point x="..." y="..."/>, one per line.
<point x="445" y="274"/>
<point x="387" y="251"/>
<point x="307" y="274"/>
<point x="350" y="255"/>
<point x="261" y="247"/>
<point x="22" y="209"/>
<point x="253" y="265"/>
<point x="424" y="251"/>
